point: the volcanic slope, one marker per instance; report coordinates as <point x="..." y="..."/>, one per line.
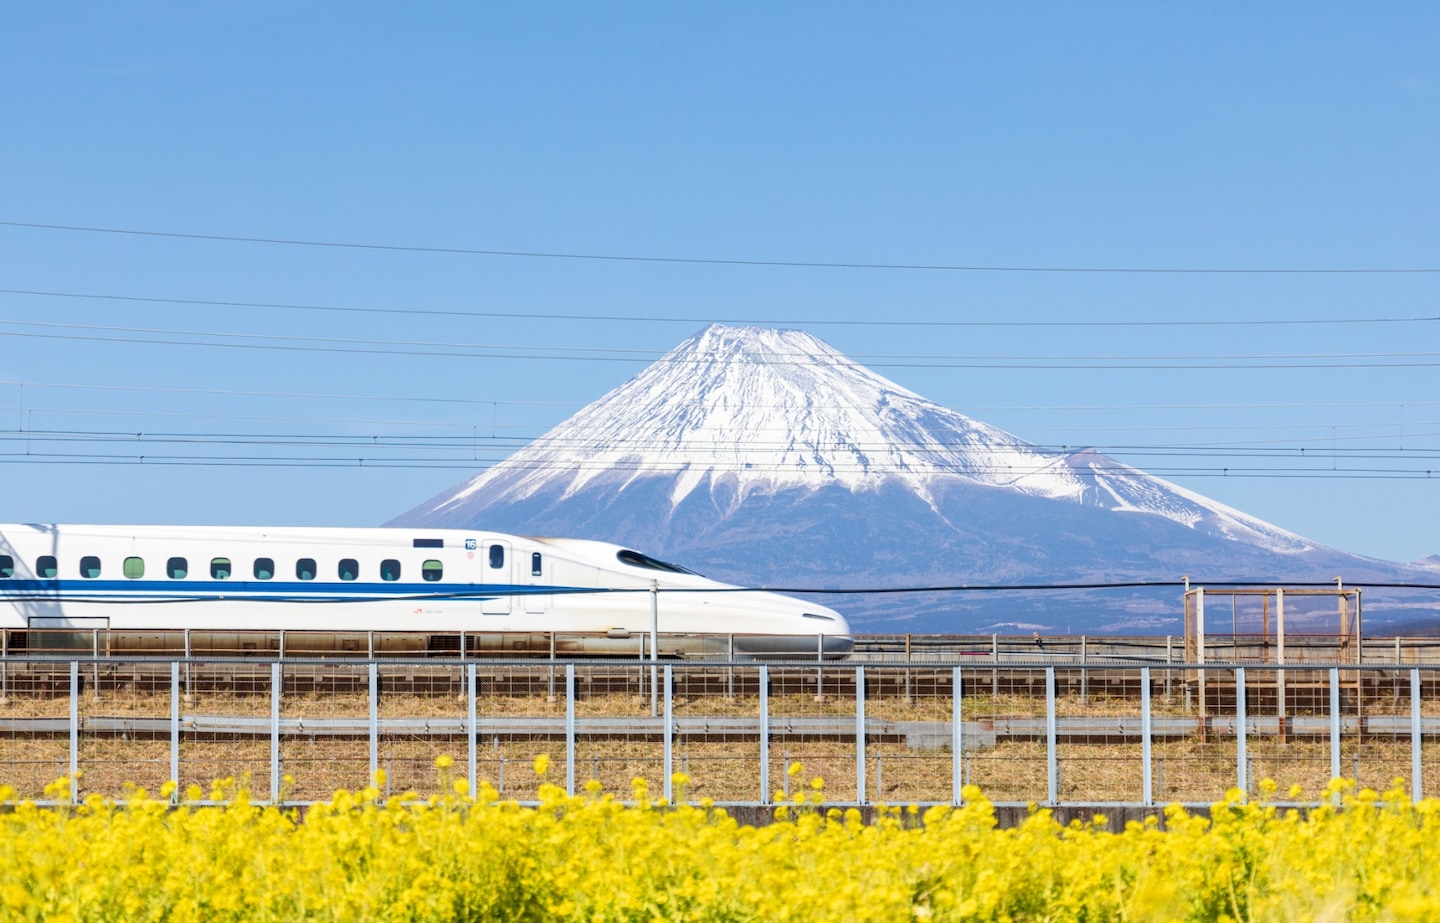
<point x="766" y="457"/>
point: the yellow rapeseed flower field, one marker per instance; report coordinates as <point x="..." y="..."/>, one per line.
<point x="464" y="857"/>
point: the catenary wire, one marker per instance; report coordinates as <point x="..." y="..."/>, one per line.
<point x="624" y="318"/>
<point x="715" y="261"/>
<point x="1237" y="405"/>
<point x="798" y="357"/>
<point x="1011" y="363"/>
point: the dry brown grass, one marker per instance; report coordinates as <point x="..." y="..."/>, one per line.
<point x="725" y="770"/>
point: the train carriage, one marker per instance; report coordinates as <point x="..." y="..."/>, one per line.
<point x="162" y="588"/>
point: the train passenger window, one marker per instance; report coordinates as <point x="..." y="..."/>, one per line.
<point x="90" y="566"/>
<point x="497" y="556"/>
<point x="134" y="568"/>
<point x="349" y="568"/>
<point x="264" y="568"/>
<point x="177" y="568"/>
<point x="535" y="564"/>
<point x="432" y="571"/>
<point x="7" y="566"/>
<point x="220" y="568"/>
<point x="305" y="569"/>
<point x="46" y="566"/>
<point x="389" y="569"/>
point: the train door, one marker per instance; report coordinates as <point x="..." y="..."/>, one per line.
<point x="497" y="574"/>
<point x="533" y="576"/>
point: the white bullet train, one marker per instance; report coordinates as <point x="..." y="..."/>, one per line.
<point x="251" y="590"/>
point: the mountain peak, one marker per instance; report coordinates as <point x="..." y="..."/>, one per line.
<point x="740" y="412"/>
<point x="758" y="409"/>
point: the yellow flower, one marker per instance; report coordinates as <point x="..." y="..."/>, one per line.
<point x="794" y="770"/>
<point x="542" y="764"/>
<point x="16" y="897"/>
<point x="444" y="761"/>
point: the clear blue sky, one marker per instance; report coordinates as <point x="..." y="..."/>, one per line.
<point x="1084" y="136"/>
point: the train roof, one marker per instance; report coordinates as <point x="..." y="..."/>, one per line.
<point x="201" y="532"/>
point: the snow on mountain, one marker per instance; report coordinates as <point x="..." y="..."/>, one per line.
<point x="762" y="411"/>
<point x="765" y="457"/>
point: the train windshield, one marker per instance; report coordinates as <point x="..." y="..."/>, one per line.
<point x="636" y="559"/>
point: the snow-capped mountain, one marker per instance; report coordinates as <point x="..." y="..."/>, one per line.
<point x="767" y="457"/>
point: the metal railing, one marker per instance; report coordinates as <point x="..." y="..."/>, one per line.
<point x="913" y="732"/>
<point x="965" y="649"/>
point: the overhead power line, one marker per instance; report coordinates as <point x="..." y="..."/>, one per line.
<point x="769" y="322"/>
<point x="144" y="336"/>
<point x="1111" y="585"/>
<point x="1322" y="467"/>
<point x="716" y="261"/>
<point x="1364" y="431"/>
<point x="777" y="442"/>
<point x="1227" y="405"/>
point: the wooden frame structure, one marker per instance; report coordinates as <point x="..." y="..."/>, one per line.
<point x="1351" y="635"/>
<point x="1349" y="606"/>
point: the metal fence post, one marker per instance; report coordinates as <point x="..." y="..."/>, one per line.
<point x="1242" y="782"/>
<point x="74" y="729"/>
<point x="569" y="728"/>
<point x="1052" y="766"/>
<point x="1334" y="723"/>
<point x="730" y="670"/>
<point x="550" y="689"/>
<point x="764" y="682"/>
<point x="1415" y="752"/>
<point x="957" y="739"/>
<point x="1147" y="782"/>
<point x="654" y="642"/>
<point x="1280" y="659"/>
<point x="471" y="730"/>
<point x="860" y="735"/>
<point x="820" y="670"/>
<point x="669" y="735"/>
<point x="175" y="723"/>
<point x="909" y="699"/>
<point x="276" y="688"/>
<point x="374" y="718"/>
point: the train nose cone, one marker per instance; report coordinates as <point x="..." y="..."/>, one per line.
<point x="834" y="640"/>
